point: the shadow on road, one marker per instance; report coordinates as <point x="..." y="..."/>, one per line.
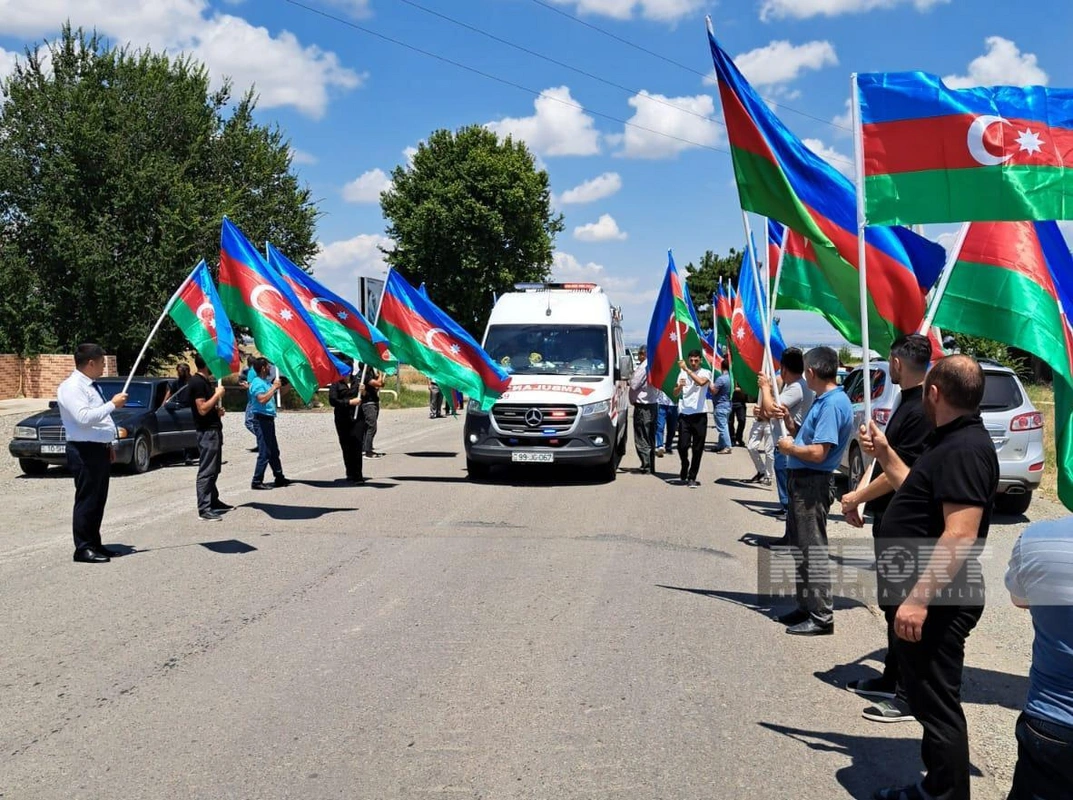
<point x="763" y="604"/>
<point x="229" y="547"/>
<point x="432" y="454"/>
<point x="758" y="506"/>
<point x="875" y="762"/>
<point x="280" y="512"/>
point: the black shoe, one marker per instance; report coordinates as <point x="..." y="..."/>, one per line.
<point x="210" y="516"/>
<point x="659" y="453"/>
<point x="781" y="517"/>
<point x="888" y="711"/>
<point x="810" y="628"/>
<point x="694" y="484"/>
<point x="280" y="482"/>
<point x="221" y="506"/>
<point x="88" y="555"/>
<point x="755" y="479"/>
<point x="254" y="449"/>
<point x="359" y="480"/>
<point x="259" y="485"/>
<point x="782" y="542"/>
<point x="872" y="687"/>
<point x="795" y="617"/>
<point x="373" y="454"/>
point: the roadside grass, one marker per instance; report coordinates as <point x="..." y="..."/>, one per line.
<point x="1043" y="398"/>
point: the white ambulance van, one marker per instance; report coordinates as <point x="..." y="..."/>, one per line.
<point x="569" y="379"/>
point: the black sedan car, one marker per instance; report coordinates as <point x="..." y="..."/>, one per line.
<point x="146" y="427"/>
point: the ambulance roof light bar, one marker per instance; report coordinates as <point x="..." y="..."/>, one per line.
<point x="568" y="287"/>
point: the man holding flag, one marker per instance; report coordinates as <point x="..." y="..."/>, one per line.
<point x="692" y="393"/>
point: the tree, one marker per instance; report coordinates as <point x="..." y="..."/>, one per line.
<point x="704" y="280"/>
<point x="116" y="167"/>
<point x="470" y="216"/>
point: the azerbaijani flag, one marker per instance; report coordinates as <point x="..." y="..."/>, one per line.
<point x="747" y="330"/>
<point x="1013" y="282"/>
<point x="255" y="296"/>
<point x="339" y="322"/>
<point x="775" y="233"/>
<point x="780" y="178"/>
<point x="426" y="338"/>
<point x="935" y="154"/>
<point x="724" y="308"/>
<point x="673" y="317"/>
<point x="200" y="315"/>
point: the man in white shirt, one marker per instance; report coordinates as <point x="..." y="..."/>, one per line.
<point x="692" y="394"/>
<point x="87" y="422"/>
<point x="643" y="399"/>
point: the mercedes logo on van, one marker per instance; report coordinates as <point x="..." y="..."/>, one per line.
<point x="533" y="417"/>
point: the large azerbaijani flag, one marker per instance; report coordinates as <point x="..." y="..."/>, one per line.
<point x="724" y="308"/>
<point x="255" y="296"/>
<point x="674" y="318"/>
<point x="1013" y="282"/>
<point x="339" y="322"/>
<point x="426" y="338"/>
<point x="200" y="315"/>
<point x="747" y="330"/>
<point x="780" y="178"/>
<point x="935" y="154"/>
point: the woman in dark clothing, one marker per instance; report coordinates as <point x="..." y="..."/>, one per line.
<point x="345" y="397"/>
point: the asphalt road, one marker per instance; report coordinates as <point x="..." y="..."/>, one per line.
<point x="537" y="636"/>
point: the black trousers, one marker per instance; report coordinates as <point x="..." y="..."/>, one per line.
<point x="369" y="414"/>
<point x="644" y="433"/>
<point x="91" y="465"/>
<point x="692" y="433"/>
<point x="1044" y="760"/>
<point x="931" y="672"/>
<point x="210" y="447"/>
<point x="350" y="436"/>
<point x="806" y="525"/>
<point x="737" y="424"/>
<point x="891" y="673"/>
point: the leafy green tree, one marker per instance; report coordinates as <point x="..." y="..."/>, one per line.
<point x="704" y="279"/>
<point x="471" y="216"/>
<point x="116" y="167"/>
<point x="988" y="348"/>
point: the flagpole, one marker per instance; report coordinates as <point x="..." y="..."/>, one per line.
<point x="152" y="333"/>
<point x="376" y="319"/>
<point x="677" y="322"/>
<point x="948" y="269"/>
<point x="765" y="318"/>
<point x="862" y="261"/>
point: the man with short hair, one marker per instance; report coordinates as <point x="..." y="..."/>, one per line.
<point x="907" y="432"/>
<point x="1040" y="578"/>
<point x="692" y="393"/>
<point x="206" y="400"/>
<point x="939" y="515"/>
<point x="721" y="409"/>
<point x="812" y="455"/>
<point x="369" y="410"/>
<point x="793" y="404"/>
<point x="737" y="417"/>
<point x="262" y="395"/>
<point x="643" y="399"/>
<point x="344" y="396"/>
<point x="90" y="431"/>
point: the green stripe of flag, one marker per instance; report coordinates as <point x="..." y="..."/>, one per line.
<point x="199" y="337"/>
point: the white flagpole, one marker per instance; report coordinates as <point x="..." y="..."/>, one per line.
<point x="862" y="249"/>
<point x="376" y="319"/>
<point x="152" y="333"/>
<point x="677" y="322"/>
<point x="948" y="268"/>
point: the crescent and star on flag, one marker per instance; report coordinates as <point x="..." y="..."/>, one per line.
<point x="431" y="335"/>
<point x="1028" y="141"/>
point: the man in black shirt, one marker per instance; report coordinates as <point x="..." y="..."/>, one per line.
<point x="370" y="409"/>
<point x="940" y="513"/>
<point x="906" y="433"/>
<point x="345" y="397"/>
<point x="206" y="401"/>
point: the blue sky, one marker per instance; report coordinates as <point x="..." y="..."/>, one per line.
<point x="352" y="103"/>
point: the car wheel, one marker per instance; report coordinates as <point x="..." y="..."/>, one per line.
<point x="1013" y="504"/>
<point x="620" y="447"/>
<point x="610" y="469"/>
<point x="143" y="452"/>
<point x="856" y="466"/>
<point x="476" y="470"/>
<point x="32" y="467"/>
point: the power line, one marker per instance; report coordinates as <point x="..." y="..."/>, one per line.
<point x="678" y="64"/>
<point x="498" y="79"/>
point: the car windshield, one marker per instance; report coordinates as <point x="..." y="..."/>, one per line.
<point x="1001" y="392"/>
<point x="549" y="349"/>
<point x="139" y="393"/>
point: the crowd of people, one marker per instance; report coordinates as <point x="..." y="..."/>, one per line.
<point x="930" y="494"/>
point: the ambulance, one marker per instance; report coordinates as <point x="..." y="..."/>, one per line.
<point x="567" y="403"/>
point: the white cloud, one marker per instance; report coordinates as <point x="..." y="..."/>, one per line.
<point x="782" y="62"/>
<point x="560" y="127"/>
<point x="366" y="188"/>
<point x="409" y="154"/>
<point x="285" y="73"/>
<point x="339" y="264"/>
<point x="355" y="8"/>
<point x="1002" y="65"/>
<point x="622" y="291"/>
<point x="659" y="10"/>
<point x="839" y="161"/>
<point x="662" y="127"/>
<point x="590" y="191"/>
<point x="844" y="120"/>
<point x="7" y="62"/>
<point x="803" y="9"/>
<point x="605" y="229"/>
<point x="302" y="157"/>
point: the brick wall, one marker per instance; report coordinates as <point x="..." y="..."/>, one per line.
<point x="39" y="376"/>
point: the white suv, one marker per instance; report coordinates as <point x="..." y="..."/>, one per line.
<point x="1015" y="425"/>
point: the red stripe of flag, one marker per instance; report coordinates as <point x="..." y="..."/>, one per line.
<point x="1011" y="245"/>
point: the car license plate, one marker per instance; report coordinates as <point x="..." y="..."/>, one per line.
<point x="533" y="458"/>
<point x="53" y="449"/>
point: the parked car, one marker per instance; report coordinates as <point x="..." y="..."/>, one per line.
<point x="1015" y="425"/>
<point x="147" y="427"/>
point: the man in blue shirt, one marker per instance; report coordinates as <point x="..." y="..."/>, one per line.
<point x="721" y="404"/>
<point x="811" y="456"/>
<point x="1040" y="578"/>
<point x="263" y="406"/>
